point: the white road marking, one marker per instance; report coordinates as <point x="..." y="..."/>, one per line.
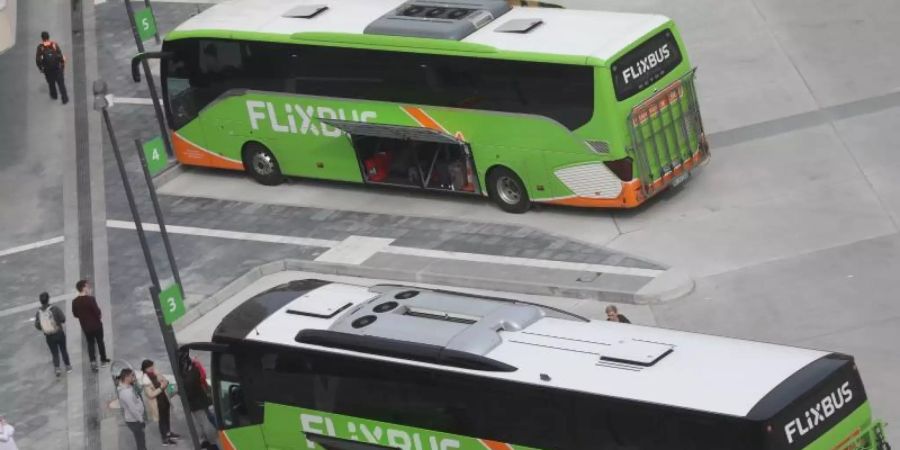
<point x="97" y="2"/>
<point x="529" y="262"/>
<point x="343" y="251"/>
<point x="187" y="1"/>
<point x="355" y="250"/>
<point x="224" y="234"/>
<point x="133" y="100"/>
<point x="33" y="306"/>
<point x="31" y="246"/>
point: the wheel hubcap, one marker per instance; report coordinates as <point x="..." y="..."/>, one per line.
<point x="508" y="190"/>
<point x="263" y="163"/>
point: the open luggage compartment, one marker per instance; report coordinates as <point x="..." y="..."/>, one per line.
<point x="411" y="157"/>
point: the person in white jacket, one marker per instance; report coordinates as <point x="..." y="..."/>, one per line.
<point x="6" y="435"/>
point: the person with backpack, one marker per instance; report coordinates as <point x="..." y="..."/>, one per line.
<point x="85" y="308"/>
<point x="51" y="62"/>
<point x="49" y="319"/>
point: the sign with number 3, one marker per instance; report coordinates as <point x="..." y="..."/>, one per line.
<point x="172" y="304"/>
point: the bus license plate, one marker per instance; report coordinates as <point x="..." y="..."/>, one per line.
<point x="680" y="179"/>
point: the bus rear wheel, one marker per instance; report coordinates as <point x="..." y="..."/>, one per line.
<point x="507" y="191"/>
<point x="262" y="165"/>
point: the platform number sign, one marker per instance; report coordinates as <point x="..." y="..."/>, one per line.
<point x="146" y="23"/>
<point x="155" y="154"/>
<point x="172" y="304"/>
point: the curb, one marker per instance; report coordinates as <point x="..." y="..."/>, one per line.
<point x="669" y="286"/>
<point x="168" y="173"/>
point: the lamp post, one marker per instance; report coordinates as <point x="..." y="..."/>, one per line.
<point x="102" y="104"/>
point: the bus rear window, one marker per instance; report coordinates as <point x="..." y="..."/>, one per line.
<point x="647" y="63"/>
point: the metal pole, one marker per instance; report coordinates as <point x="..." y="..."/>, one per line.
<point x="168" y="335"/>
<point x="151" y="84"/>
<point x="159" y="216"/>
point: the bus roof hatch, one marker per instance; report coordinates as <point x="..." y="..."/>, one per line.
<point x="452" y="19"/>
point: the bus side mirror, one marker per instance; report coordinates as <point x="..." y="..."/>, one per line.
<point x="140" y="57"/>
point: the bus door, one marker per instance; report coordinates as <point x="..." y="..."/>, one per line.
<point x="411" y="157"/>
<point x="233" y="413"/>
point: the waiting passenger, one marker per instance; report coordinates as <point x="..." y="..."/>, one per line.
<point x="612" y="315"/>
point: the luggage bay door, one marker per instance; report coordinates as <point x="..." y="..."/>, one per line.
<point x="411" y="156"/>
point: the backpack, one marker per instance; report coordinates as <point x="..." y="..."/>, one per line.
<point x="51" y="57"/>
<point x="48" y="322"/>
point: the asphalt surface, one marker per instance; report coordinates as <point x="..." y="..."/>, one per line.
<point x="790" y="233"/>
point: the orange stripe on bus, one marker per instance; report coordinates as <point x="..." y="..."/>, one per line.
<point x="423" y="118"/>
<point x="494" y="445"/>
<point x="191" y="154"/>
<point x="226" y="443"/>
<point x="843" y="444"/>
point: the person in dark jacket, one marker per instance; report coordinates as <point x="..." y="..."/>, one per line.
<point x="52" y="63"/>
<point x="612" y="315"/>
<point x="49" y="319"/>
<point x="85" y="308"/>
<point x="197" y="396"/>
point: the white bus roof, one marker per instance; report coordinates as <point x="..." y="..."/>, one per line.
<point x="563" y="31"/>
<point x="701" y="372"/>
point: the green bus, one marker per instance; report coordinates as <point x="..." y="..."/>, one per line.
<point x="316" y="365"/>
<point x="477" y="97"/>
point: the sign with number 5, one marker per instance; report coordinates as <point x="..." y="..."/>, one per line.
<point x="146" y="23"/>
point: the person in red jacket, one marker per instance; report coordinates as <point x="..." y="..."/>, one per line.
<point x="85" y="308"/>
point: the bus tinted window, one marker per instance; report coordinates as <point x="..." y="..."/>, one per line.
<point x="645" y="64"/>
<point x="564" y="93"/>
<point x="203" y="70"/>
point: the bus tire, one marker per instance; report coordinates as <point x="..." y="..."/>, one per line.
<point x="262" y="165"/>
<point x="507" y="190"/>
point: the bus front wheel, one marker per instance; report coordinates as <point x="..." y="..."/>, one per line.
<point x="262" y="165"/>
<point x="507" y="191"/>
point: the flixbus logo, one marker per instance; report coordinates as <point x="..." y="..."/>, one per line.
<point x="821" y="411"/>
<point x="646" y="63"/>
<point x="375" y="433"/>
<point x="301" y="119"/>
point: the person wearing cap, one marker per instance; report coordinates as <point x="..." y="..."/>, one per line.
<point x="51" y="321"/>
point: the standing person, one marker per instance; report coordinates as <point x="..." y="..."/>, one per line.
<point x="158" y="406"/>
<point x="132" y="407"/>
<point x="51" y="62"/>
<point x="6" y="435"/>
<point x="49" y="319"/>
<point x="210" y="415"/>
<point x="612" y="315"/>
<point x="85" y="308"/>
<point x="197" y="397"/>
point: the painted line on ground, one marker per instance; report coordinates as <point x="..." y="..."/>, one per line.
<point x="528" y="262"/>
<point x="31" y="246"/>
<point x="33" y="306"/>
<point x="357" y="249"/>
<point x="132" y="100"/>
<point x="225" y="234"/>
<point x="354" y="250"/>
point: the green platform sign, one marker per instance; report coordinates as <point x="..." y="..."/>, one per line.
<point x="155" y="155"/>
<point x="146" y="23"/>
<point x="172" y="304"/>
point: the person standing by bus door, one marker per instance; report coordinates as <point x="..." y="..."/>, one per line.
<point x="85" y="308"/>
<point x="6" y="435"/>
<point x="49" y="320"/>
<point x="52" y="63"/>
<point x="132" y="407"/>
<point x="198" y="399"/>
